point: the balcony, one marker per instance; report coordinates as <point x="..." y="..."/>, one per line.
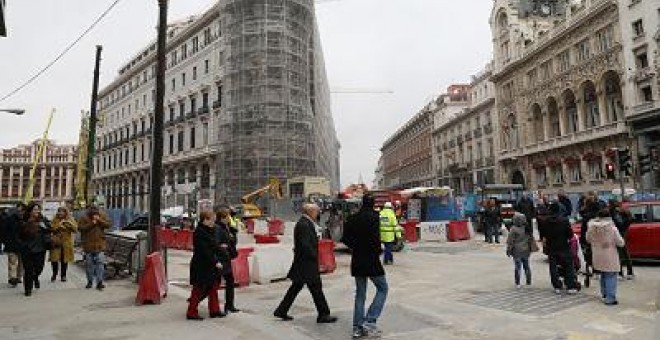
<point x="594" y="133"/>
<point x="647" y="106"/>
<point x="490" y="161"/>
<point x="452" y="143"/>
<point x="459" y="140"/>
<point x="468" y="136"/>
<point x="179" y="119"/>
<point x="488" y="128"/>
<point x="643" y="74"/>
<point x="191" y="114"/>
<point x="477" y="132"/>
<point x="216" y="104"/>
<point x="203" y="110"/>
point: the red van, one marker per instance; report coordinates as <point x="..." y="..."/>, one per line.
<point x="643" y="238"/>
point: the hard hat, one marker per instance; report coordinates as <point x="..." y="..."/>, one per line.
<point x="397" y="202"/>
<point x="387" y="205"/>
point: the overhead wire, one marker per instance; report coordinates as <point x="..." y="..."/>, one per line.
<point x="64" y="52"/>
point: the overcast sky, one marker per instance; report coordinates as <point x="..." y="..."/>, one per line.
<point x="414" y="48"/>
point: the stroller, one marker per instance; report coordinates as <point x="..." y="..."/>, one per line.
<point x="574" y="246"/>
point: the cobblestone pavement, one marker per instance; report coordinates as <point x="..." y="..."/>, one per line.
<point x="437" y="291"/>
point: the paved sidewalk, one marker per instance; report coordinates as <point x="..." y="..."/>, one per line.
<point x="437" y="291"/>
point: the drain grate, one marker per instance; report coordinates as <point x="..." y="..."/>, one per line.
<point x="537" y="302"/>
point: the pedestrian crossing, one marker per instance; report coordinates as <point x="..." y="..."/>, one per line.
<point x="529" y="301"/>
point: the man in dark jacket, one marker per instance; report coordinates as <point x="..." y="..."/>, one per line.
<point x="622" y="220"/>
<point x="362" y="236"/>
<point x="526" y="207"/>
<point x="12" y="247"/>
<point x="305" y="267"/>
<point x="565" y="202"/>
<point x="556" y="232"/>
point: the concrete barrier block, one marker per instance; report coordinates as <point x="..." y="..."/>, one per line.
<point x="270" y="262"/>
<point x="433" y="231"/>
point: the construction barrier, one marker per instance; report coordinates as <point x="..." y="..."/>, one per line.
<point x="458" y="231"/>
<point x="166" y="237"/>
<point x="266" y="239"/>
<point x="433" y="231"/>
<point x="153" y="283"/>
<point x="327" y="263"/>
<point x="249" y="224"/>
<point x="183" y="239"/>
<point x="275" y="226"/>
<point x="270" y="262"/>
<point x="410" y="231"/>
<point x="241" y="270"/>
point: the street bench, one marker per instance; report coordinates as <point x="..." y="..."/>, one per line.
<point x="119" y="255"/>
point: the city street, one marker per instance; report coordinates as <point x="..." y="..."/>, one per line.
<point x="437" y="291"/>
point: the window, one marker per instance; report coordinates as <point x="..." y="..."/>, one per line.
<point x="142" y="152"/>
<point x="504" y="50"/>
<point x="564" y="60"/>
<point x="183" y="79"/>
<point x="595" y="170"/>
<point x="546" y="70"/>
<point x="531" y="78"/>
<point x="205" y="100"/>
<point x="557" y="175"/>
<point x="583" y="50"/>
<point x="173" y="84"/>
<point x="206" y="66"/>
<point x="541" y="178"/>
<point x="207" y="36"/>
<point x="192" y="137"/>
<point x="182" y="108"/>
<point x="171" y="113"/>
<point x="219" y="95"/>
<point x="184" y="51"/>
<point x="195" y="44"/>
<point x="171" y="144"/>
<point x="576" y="175"/>
<point x="647" y="94"/>
<point x="194" y="73"/>
<point x="180" y="140"/>
<point x="134" y="154"/>
<point x="605" y="39"/>
<point x="638" y="28"/>
<point x="641" y="59"/>
<point x="193" y="104"/>
<point x="205" y="134"/>
<point x="639" y="213"/>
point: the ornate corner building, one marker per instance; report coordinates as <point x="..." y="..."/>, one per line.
<point x="563" y="92"/>
<point x="246" y="100"/>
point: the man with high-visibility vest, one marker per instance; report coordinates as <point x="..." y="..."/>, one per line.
<point x="389" y="231"/>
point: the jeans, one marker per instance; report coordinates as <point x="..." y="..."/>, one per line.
<point x="522" y="262"/>
<point x="608" y="282"/>
<point x="492" y="230"/>
<point x="376" y="307"/>
<point x="388" y="257"/>
<point x="564" y="259"/>
<point x="94" y="266"/>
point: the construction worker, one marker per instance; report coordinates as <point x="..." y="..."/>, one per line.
<point x="233" y="221"/>
<point x="388" y="231"/>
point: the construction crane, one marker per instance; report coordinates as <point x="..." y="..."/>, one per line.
<point x="40" y="152"/>
<point x="248" y="202"/>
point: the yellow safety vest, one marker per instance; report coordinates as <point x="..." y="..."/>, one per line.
<point x="388" y="226"/>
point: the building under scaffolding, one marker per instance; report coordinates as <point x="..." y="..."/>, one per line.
<point x="247" y="99"/>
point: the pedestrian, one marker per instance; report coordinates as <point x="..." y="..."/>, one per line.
<point x="622" y="220"/>
<point x="604" y="238"/>
<point x="93" y="226"/>
<point x="565" y="203"/>
<point x="362" y="236"/>
<point x="63" y="228"/>
<point x="12" y="245"/>
<point x="588" y="210"/>
<point x="526" y="207"/>
<point x="4" y="219"/>
<point x="226" y="238"/>
<point x="305" y="268"/>
<point x="519" y="247"/>
<point x="205" y="268"/>
<point x="33" y="240"/>
<point x="555" y="231"/>
<point x="493" y="221"/>
<point x="388" y="231"/>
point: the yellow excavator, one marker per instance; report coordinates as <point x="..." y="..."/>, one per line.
<point x="248" y="202"/>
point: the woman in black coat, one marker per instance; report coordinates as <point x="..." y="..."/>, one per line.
<point x="205" y="267"/>
<point x="32" y="237"/>
<point x="226" y="238"/>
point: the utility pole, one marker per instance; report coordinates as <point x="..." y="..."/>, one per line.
<point x="157" y="131"/>
<point x="91" y="137"/>
<point x="621" y="171"/>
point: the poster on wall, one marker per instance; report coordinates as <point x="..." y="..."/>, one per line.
<point x="414" y="209"/>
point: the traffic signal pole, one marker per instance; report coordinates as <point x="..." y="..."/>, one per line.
<point x="622" y="173"/>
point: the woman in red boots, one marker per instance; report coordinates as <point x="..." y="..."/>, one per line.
<point x="205" y="268"/>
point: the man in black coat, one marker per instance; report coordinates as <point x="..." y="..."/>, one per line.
<point x="362" y="236"/>
<point x="526" y="207"/>
<point x="555" y="231"/>
<point x="305" y="267"/>
<point x="565" y="202"/>
<point x="12" y="225"/>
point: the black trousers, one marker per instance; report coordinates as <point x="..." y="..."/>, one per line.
<point x="229" y="289"/>
<point x="55" y="267"/>
<point x="315" y="287"/>
<point x="33" y="266"/>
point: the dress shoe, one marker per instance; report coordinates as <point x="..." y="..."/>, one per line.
<point x="89" y="285"/>
<point x="232" y="310"/>
<point x="194" y="317"/>
<point x="53" y="278"/>
<point x="326" y="319"/>
<point x="28" y="293"/>
<point x="284" y="317"/>
<point x="217" y="315"/>
<point x="63" y="279"/>
<point x="37" y="284"/>
<point x="100" y="286"/>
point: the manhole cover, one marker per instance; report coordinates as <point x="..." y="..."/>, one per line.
<point x="451" y="250"/>
<point x="394" y="320"/>
<point x="538" y="302"/>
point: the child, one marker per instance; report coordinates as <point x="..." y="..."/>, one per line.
<point x="519" y="247"/>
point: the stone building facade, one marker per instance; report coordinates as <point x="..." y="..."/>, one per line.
<point x="246" y="100"/>
<point x="559" y="89"/>
<point x="54" y="176"/>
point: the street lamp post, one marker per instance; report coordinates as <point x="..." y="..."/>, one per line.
<point x="17" y="112"/>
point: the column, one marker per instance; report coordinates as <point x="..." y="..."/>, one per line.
<point x="580" y="113"/>
<point x="546" y="126"/>
<point x="562" y="119"/>
<point x="52" y="182"/>
<point x="602" y="107"/>
<point x="69" y="182"/>
<point x="60" y="175"/>
<point x="11" y="182"/>
<point x="20" y="182"/>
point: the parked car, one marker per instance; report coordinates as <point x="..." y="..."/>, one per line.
<point x="643" y="236"/>
<point x="141" y="222"/>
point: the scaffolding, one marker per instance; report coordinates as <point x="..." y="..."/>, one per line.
<point x="276" y="121"/>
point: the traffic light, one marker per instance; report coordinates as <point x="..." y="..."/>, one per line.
<point x="609" y="170"/>
<point x="645" y="164"/>
<point x="625" y="162"/>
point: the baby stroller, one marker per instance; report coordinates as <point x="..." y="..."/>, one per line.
<point x="574" y="246"/>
